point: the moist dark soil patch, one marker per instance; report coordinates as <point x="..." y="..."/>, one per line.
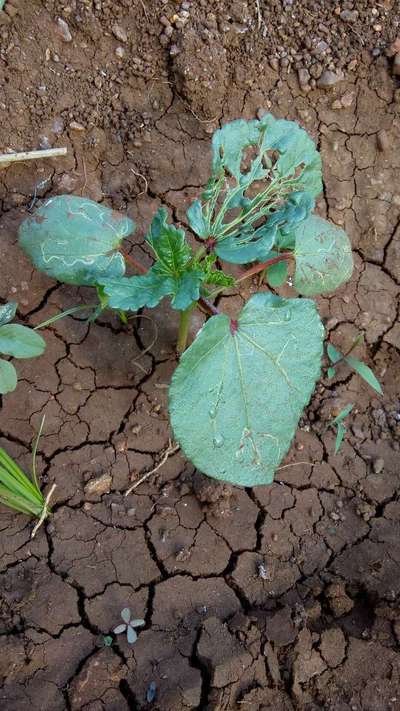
<point x="283" y="597"/>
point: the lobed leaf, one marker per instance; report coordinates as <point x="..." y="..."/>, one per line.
<point x="323" y="255"/>
<point x="239" y="390"/>
<point x="175" y="272"/>
<point x="20" y="341"/>
<point x="75" y="240"/>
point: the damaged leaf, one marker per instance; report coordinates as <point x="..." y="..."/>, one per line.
<point x="251" y="202"/>
<point x="75" y="240"/>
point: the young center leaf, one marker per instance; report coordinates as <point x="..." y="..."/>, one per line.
<point x="323" y="255"/>
<point x="175" y="273"/>
<point x="75" y="240"/>
<point x="240" y="388"/>
<point x="251" y="201"/>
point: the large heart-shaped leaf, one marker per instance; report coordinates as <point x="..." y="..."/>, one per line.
<point x="20" y="341"/>
<point x="8" y="377"/>
<point x="239" y="390"/>
<point x="323" y="254"/>
<point x="75" y="240"/>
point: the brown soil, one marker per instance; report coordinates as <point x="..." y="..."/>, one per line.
<point x="284" y="597"/>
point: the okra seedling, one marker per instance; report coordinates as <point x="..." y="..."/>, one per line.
<point x="241" y="386"/>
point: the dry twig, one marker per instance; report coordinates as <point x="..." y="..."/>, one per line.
<point x="45" y="511"/>
<point x="168" y="452"/>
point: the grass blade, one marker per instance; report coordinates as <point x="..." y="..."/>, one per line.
<point x="35" y="446"/>
<point x="333" y="354"/>
<point x="365" y="372"/>
<point x="18" y="488"/>
<point x="342" y="414"/>
<point x="14" y="470"/>
<point x="18" y="503"/>
<point x="341" y="431"/>
<point x="68" y="312"/>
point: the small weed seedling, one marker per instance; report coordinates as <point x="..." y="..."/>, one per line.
<point x="337" y="358"/>
<point x="128" y="626"/>
<point x="241" y="386"/>
<point x="19" y="492"/>
<point x="338" y="423"/>
<point x="18" y="341"/>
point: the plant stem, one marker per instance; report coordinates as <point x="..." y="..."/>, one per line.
<point x="136" y="265"/>
<point x="184" y="323"/>
<point x="208" y="306"/>
<point x="264" y="265"/>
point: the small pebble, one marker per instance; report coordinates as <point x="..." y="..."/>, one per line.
<point x="11" y="10"/>
<point x="382" y="140"/>
<point x="347" y="99"/>
<point x="119" y="33"/>
<point x="396" y="65"/>
<point x="63" y="30"/>
<point x="304" y="78"/>
<point x="378" y="465"/>
<point x="174" y="50"/>
<point x="274" y="64"/>
<point x="75" y="126"/>
<point x="328" y="79"/>
<point x="349" y="15"/>
<point x="120" y="52"/>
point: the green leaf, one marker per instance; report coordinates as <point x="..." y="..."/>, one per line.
<point x="8" y="377"/>
<point x="323" y="257"/>
<point x="333" y="354"/>
<point x="341" y="431"/>
<point x="169" y="245"/>
<point x="365" y="372"/>
<point x="269" y="173"/>
<point x="174" y="273"/>
<point x="331" y="372"/>
<point x="132" y="293"/>
<point x="240" y="388"/>
<point x="75" y="240"/>
<point x="214" y="276"/>
<point x="20" y="341"/>
<point x="277" y="274"/>
<point x="7" y="312"/>
<point x="341" y="416"/>
<point x="196" y="219"/>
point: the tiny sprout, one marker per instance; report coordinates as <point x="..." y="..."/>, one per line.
<point x="107" y="640"/>
<point x="128" y="626"/>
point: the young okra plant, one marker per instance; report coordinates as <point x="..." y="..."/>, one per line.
<point x="18" y="341"/>
<point x="241" y="386"/>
